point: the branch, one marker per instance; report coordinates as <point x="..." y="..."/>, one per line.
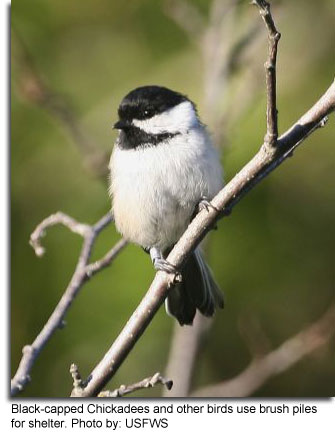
<point x="145" y="383"/>
<point x="262" y="164"/>
<point x="270" y="68"/>
<point x="276" y="362"/>
<point x="84" y="270"/>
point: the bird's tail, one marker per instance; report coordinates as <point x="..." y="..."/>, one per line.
<point x="197" y="290"/>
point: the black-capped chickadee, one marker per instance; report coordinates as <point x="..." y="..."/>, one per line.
<point x="162" y="167"/>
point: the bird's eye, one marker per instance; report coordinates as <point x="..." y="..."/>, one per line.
<point x="147" y="112"/>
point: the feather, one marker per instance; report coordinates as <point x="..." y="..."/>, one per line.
<point x="198" y="290"/>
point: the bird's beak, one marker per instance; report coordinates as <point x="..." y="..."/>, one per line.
<point x="121" y="124"/>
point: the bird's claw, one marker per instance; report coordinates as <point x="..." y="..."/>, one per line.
<point x="160" y="264"/>
<point x="205" y="204"/>
<point x="163" y="265"/>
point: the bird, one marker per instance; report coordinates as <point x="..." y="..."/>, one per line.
<point x="163" y="169"/>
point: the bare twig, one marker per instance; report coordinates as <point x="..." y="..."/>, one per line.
<point x="262" y="164"/>
<point x="55" y="219"/>
<point x="84" y="270"/>
<point x="105" y="261"/>
<point x="270" y="68"/>
<point x="277" y="361"/>
<point x="145" y="383"/>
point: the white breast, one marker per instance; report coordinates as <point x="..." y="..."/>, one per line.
<point x="155" y="189"/>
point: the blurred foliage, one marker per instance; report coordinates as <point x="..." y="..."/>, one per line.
<point x="274" y="257"/>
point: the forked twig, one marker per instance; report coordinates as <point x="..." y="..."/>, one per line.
<point x="84" y="270"/>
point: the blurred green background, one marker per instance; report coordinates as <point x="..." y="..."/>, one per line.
<point x="274" y="257"/>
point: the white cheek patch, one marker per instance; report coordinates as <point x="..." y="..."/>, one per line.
<point x="177" y="119"/>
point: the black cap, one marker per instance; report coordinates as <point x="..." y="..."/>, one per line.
<point x="145" y="102"/>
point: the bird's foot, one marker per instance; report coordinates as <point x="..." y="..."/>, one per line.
<point x="205" y="204"/>
<point x="161" y="264"/>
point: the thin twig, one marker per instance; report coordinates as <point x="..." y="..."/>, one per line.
<point x="55" y="219"/>
<point x="84" y="270"/>
<point x="277" y="361"/>
<point x="105" y="261"/>
<point x="257" y="169"/>
<point x="145" y="383"/>
<point x="270" y="68"/>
